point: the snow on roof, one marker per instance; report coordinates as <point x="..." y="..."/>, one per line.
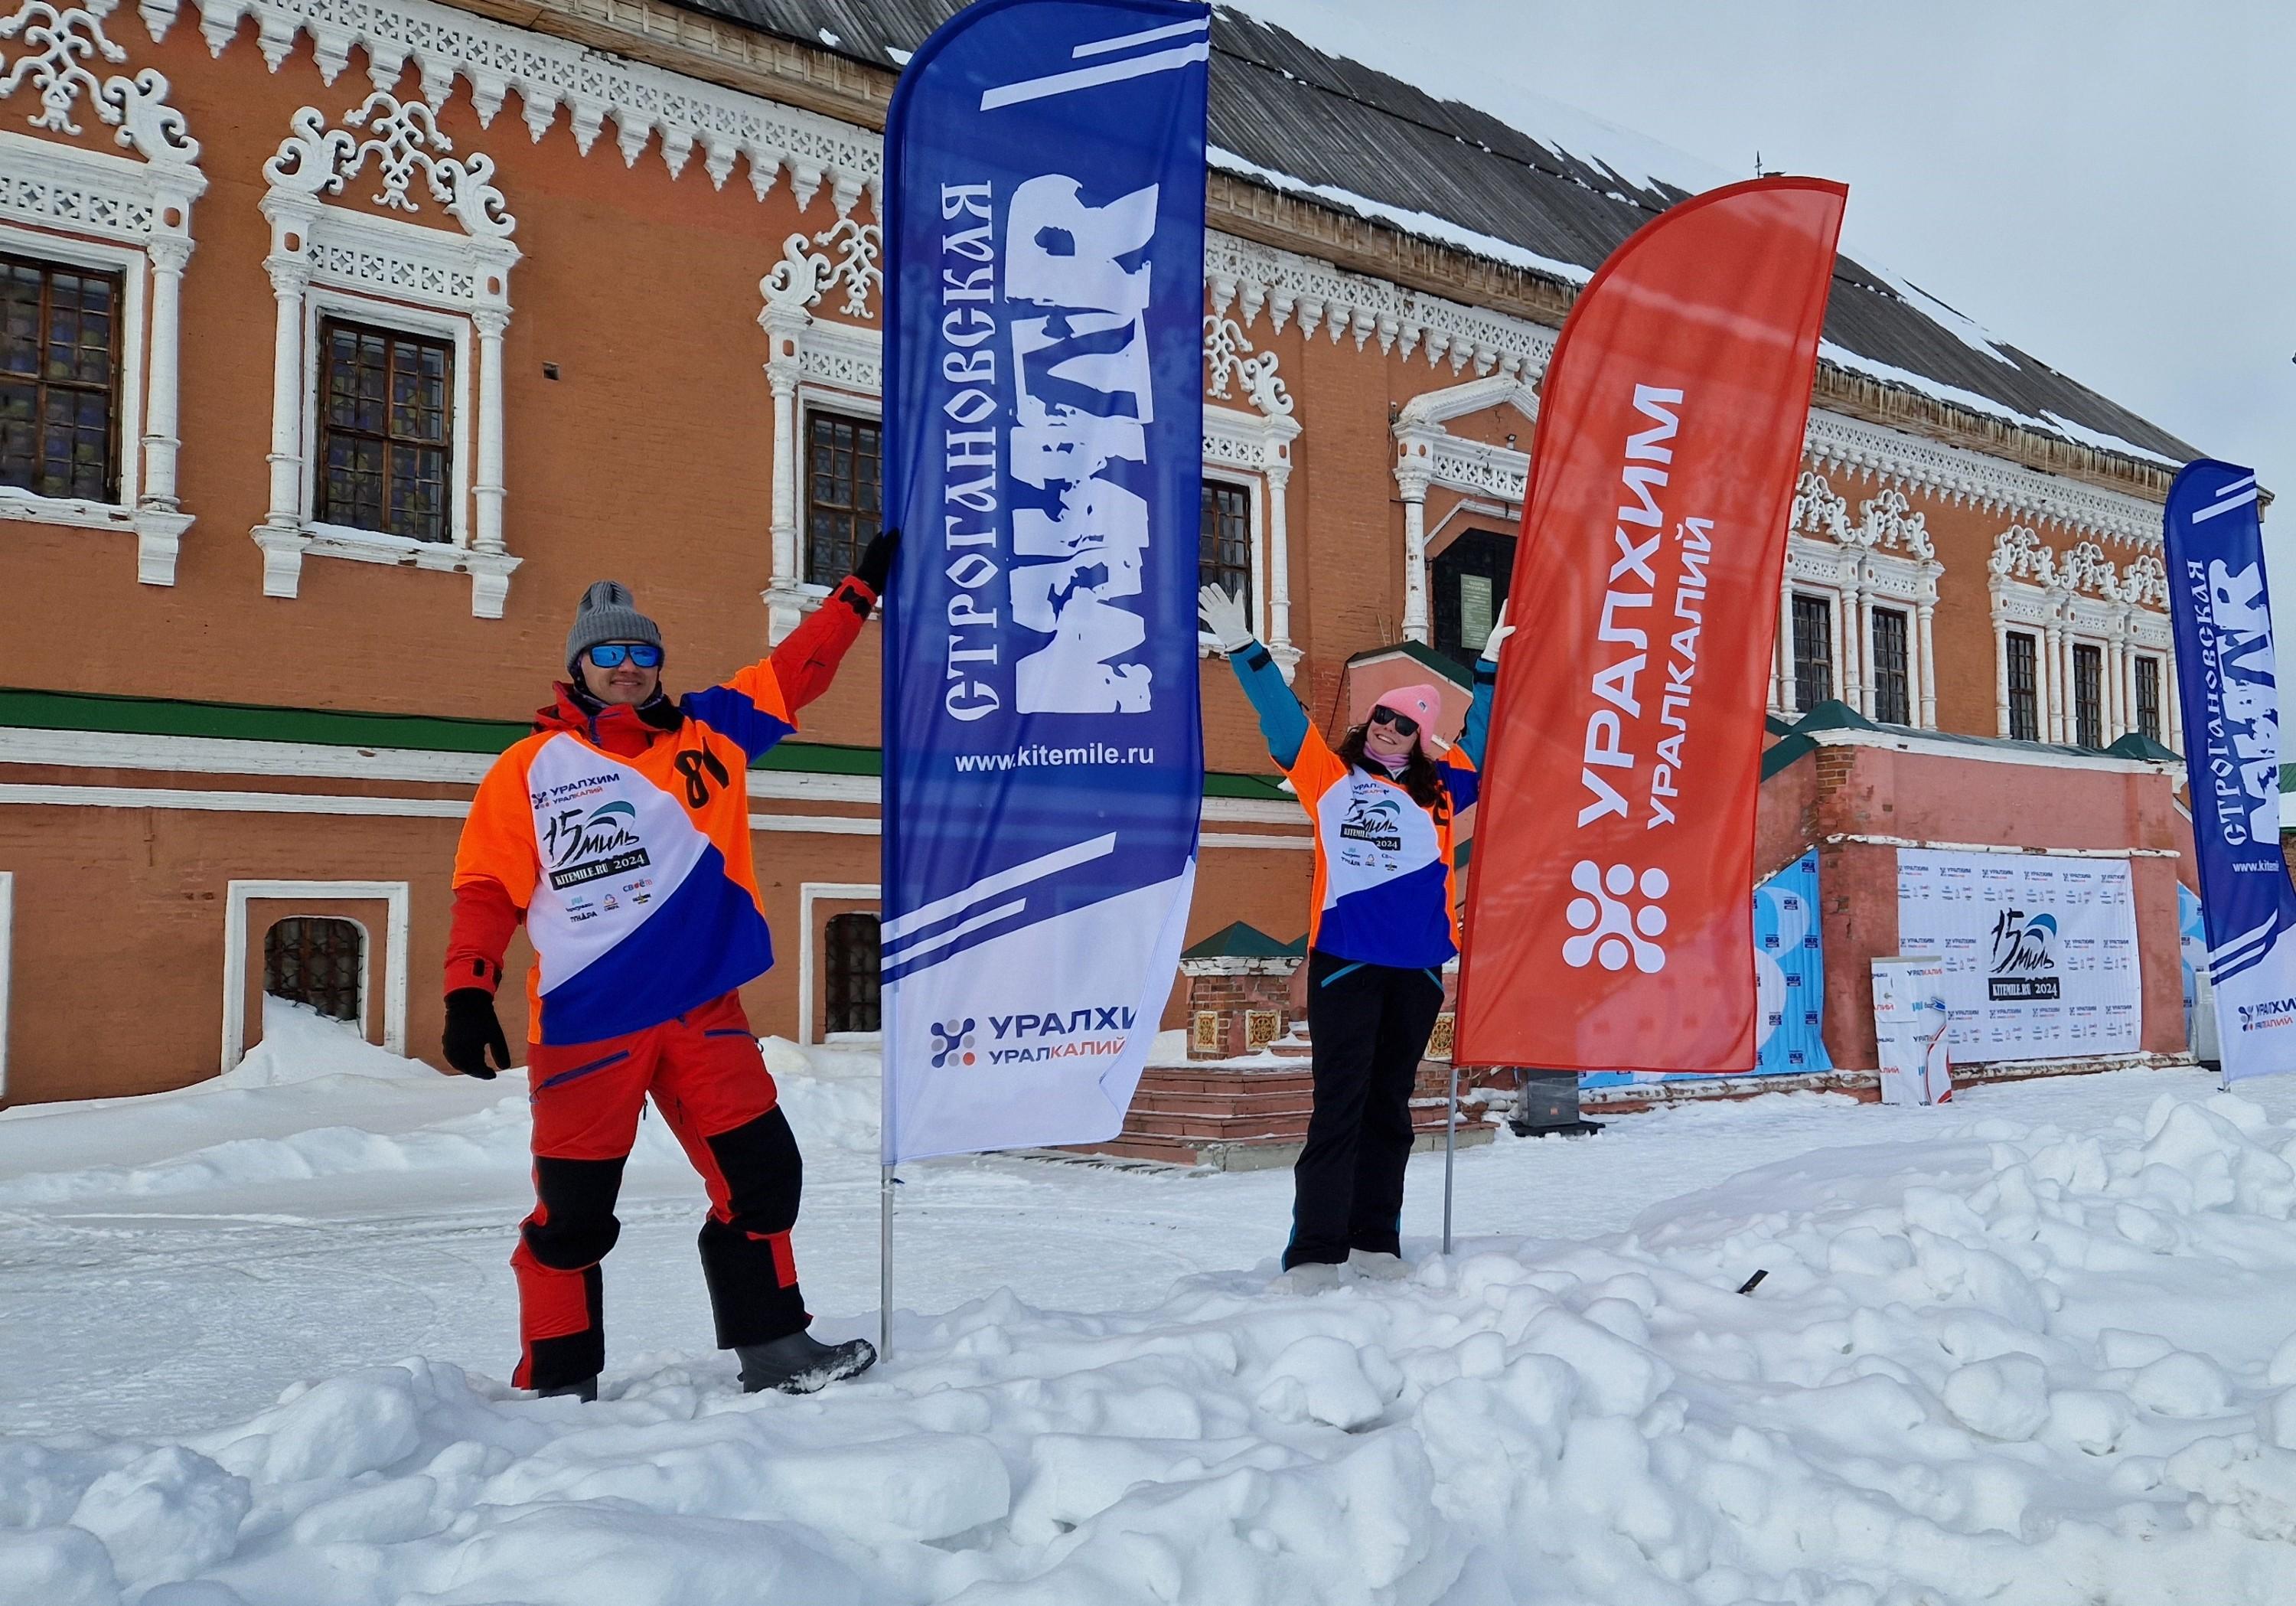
<point x="1553" y="199"/>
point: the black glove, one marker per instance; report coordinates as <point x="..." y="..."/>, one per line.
<point x="472" y="1029"/>
<point x="877" y="560"/>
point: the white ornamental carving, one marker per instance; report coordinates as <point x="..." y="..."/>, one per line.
<point x="404" y="140"/>
<point x="1886" y="523"/>
<point x="1818" y="510"/>
<point x="2145" y="582"/>
<point x="2085" y="568"/>
<point x="796" y="281"/>
<point x="57" y="44"/>
<point x="2019" y="554"/>
<point x="495" y="59"/>
<point x="858" y="246"/>
<point x="1229" y="361"/>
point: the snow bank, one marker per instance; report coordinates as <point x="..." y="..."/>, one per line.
<point x="314" y="1099"/>
<point x="2011" y="1364"/>
<point x="299" y="1044"/>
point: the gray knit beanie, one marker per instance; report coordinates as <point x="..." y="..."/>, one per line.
<point x="607" y="612"/>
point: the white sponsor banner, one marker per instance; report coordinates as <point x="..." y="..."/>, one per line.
<point x="2039" y="952"/>
<point x="1909" y="1029"/>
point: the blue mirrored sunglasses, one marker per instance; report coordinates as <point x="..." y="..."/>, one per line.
<point x="609" y="655"/>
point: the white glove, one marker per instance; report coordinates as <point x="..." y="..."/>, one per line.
<point x="1500" y="631"/>
<point x="1223" y="616"/>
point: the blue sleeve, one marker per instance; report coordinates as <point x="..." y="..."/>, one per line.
<point x="1282" y="723"/>
<point x="1477" y="736"/>
<point x="735" y="711"/>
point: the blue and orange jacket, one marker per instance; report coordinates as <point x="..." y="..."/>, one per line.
<point x="621" y="837"/>
<point x="1383" y="891"/>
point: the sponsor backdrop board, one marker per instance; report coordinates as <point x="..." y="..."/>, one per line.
<point x="2039" y="951"/>
<point x="1910" y="1025"/>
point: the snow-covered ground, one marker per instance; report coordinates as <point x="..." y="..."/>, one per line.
<point x="2036" y="1348"/>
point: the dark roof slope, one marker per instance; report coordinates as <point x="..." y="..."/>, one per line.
<point x="1283" y="105"/>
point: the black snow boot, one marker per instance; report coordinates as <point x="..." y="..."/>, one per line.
<point x="800" y="1364"/>
<point x="586" y="1391"/>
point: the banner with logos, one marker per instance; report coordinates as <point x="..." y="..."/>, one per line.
<point x="1044" y="211"/>
<point x="1910" y="1028"/>
<point x="2222" y="610"/>
<point x="1606" y="915"/>
<point x="1789" y="980"/>
<point x="2039" y="950"/>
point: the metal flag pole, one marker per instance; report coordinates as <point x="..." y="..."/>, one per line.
<point x="885" y="1262"/>
<point x="1450" y="1153"/>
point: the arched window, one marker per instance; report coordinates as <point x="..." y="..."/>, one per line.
<point x="852" y="946"/>
<point x="320" y="962"/>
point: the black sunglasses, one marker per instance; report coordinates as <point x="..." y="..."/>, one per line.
<point x="1404" y="725"/>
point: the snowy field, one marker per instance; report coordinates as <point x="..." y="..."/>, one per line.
<point x="2036" y="1348"/>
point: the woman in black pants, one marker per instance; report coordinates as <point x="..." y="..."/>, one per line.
<point x="1379" y="935"/>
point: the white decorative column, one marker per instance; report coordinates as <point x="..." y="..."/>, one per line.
<point x="490" y="561"/>
<point x="281" y="535"/>
<point x="1925" y="656"/>
<point x="2172" y="712"/>
<point x="2001" y="675"/>
<point x="2051" y="670"/>
<point x="2116" y="650"/>
<point x="1864" y="605"/>
<point x="1413" y="483"/>
<point x="1782" y="676"/>
<point x="1281" y="432"/>
<point x="160" y="518"/>
<point x="795" y="283"/>
<point x="1845" y="646"/>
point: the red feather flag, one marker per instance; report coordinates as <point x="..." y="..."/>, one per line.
<point x="1609" y="925"/>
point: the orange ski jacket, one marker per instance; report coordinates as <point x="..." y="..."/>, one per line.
<point x="622" y="839"/>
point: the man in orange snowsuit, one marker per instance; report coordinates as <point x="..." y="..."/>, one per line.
<point x="619" y="833"/>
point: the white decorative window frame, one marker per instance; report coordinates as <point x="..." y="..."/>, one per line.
<point x="377" y="270"/>
<point x="810" y="893"/>
<point x="68" y="204"/>
<point x="814" y="360"/>
<point x="813" y="398"/>
<point x="1885" y="560"/>
<point x="1252" y="449"/>
<point x="2077" y="599"/>
<point x="1428" y="454"/>
<point x="397" y="902"/>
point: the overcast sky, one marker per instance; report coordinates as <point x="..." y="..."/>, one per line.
<point x="2109" y="185"/>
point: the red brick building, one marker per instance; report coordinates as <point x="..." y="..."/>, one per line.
<point x="345" y="343"/>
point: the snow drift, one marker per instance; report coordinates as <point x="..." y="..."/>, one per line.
<point x="2018" y="1363"/>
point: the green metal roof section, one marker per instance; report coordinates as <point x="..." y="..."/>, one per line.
<point x="1834" y="714"/>
<point x="2138" y="745"/>
<point x="1426" y="657"/>
<point x="1242" y="942"/>
<point x="24" y="708"/>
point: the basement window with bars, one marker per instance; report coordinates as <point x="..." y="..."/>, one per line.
<point x="2024" y="686"/>
<point x="2088" y="695"/>
<point x="2148" y="698"/>
<point x="844" y="478"/>
<point x="1224" y="542"/>
<point x="1893" y="686"/>
<point x="60" y="340"/>
<point x="1813" y="651"/>
<point x="386" y="422"/>
<point x="315" y="960"/>
<point x="851" y="947"/>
